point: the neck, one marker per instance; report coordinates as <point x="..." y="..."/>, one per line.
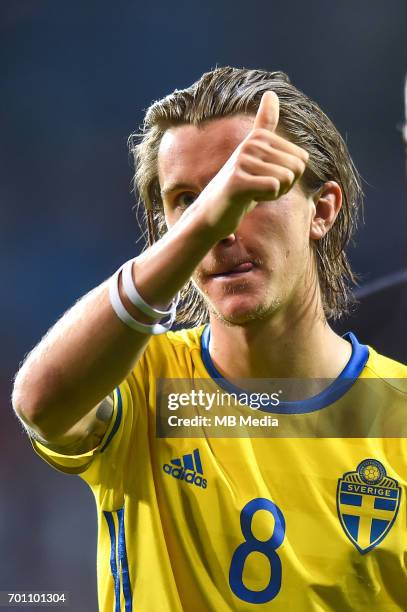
<point x="281" y="346"/>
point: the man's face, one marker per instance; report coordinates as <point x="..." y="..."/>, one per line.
<point x="273" y="239"/>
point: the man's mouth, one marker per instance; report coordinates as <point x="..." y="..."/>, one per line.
<point x="242" y="268"/>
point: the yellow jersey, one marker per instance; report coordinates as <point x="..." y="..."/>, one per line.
<point x="224" y="523"/>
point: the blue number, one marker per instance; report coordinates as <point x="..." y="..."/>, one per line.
<point x="267" y="548"/>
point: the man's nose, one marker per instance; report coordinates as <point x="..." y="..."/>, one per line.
<point x="227" y="240"/>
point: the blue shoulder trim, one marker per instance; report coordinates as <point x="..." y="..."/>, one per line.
<point x="355" y="365"/>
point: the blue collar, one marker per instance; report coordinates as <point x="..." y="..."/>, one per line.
<point x="355" y="365"/>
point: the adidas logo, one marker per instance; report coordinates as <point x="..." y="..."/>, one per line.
<point x="188" y="469"/>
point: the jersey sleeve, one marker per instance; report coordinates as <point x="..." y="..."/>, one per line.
<point x="129" y="402"/>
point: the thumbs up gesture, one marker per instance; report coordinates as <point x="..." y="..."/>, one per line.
<point x="268" y="112"/>
<point x="262" y="168"/>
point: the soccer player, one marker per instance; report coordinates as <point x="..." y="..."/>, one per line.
<point x="251" y="198"/>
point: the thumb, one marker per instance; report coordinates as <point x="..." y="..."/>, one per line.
<point x="268" y="112"/>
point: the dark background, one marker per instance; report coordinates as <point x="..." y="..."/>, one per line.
<point x="75" y="78"/>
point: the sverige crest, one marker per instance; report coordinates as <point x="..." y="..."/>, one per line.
<point x="368" y="502"/>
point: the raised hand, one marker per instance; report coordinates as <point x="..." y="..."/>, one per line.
<point x="262" y="168"/>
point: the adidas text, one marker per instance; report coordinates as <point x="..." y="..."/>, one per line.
<point x="188" y="476"/>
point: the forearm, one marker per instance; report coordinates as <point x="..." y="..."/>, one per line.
<point x="89" y="350"/>
<point x="166" y="266"/>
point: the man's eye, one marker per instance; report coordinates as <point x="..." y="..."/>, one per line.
<point x="184" y="199"/>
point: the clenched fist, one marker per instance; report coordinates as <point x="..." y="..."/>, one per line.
<point x="262" y="168"/>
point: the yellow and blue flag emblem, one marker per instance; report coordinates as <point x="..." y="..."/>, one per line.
<point x="368" y="502"/>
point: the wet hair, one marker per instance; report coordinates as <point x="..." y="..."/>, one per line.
<point x="225" y="92"/>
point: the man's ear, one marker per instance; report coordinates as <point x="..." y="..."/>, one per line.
<point x="328" y="202"/>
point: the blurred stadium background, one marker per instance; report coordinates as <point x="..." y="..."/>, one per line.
<point x="75" y="79"/>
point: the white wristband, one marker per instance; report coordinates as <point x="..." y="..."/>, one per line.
<point x="121" y="311"/>
<point x="136" y="299"/>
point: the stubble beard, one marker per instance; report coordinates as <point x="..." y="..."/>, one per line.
<point x="264" y="309"/>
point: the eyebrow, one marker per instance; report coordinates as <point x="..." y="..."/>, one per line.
<point x="176" y="187"/>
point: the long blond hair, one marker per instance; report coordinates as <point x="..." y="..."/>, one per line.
<point x="230" y="91"/>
